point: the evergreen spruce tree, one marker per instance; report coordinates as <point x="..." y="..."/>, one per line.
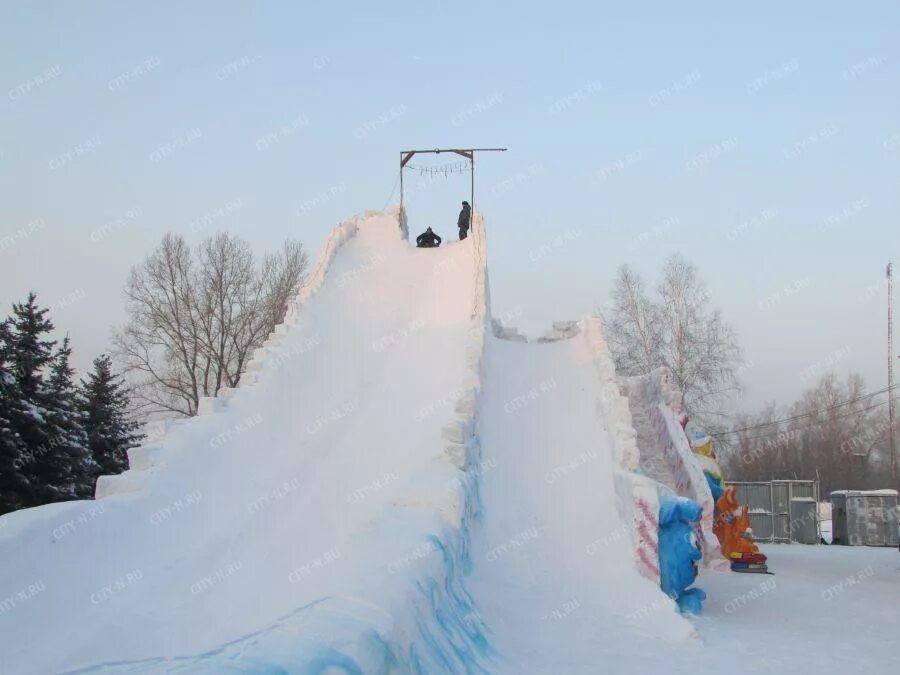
<point x="15" y="488"/>
<point x="30" y="354"/>
<point x="53" y="458"/>
<point x="64" y="413"/>
<point x="30" y="351"/>
<point x="111" y="430"/>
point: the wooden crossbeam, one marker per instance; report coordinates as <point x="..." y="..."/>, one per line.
<point x="468" y="153"/>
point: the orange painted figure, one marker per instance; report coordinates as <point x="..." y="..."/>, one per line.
<point x="732" y="527"/>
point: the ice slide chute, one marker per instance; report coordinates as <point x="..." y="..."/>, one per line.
<point x="352" y="504"/>
<point x="555" y="574"/>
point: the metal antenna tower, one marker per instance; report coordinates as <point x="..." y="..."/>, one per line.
<point x="890" y="283"/>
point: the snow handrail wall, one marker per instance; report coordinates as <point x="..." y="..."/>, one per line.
<point x="461" y="433"/>
<point x="424" y="619"/>
<point x="338" y="237"/>
<point x="662" y="400"/>
<point x="458" y="641"/>
<point x="638" y="500"/>
<point x="148" y="455"/>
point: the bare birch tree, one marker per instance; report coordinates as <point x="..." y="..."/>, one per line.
<point x="195" y="317"/>
<point x="677" y="330"/>
<point x="633" y="328"/>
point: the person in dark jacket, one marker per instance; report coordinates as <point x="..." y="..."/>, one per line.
<point x="428" y="239"/>
<point x="465" y="218"/>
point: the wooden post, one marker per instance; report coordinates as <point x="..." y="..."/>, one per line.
<point x="468" y="153"/>
<point x="472" y="193"/>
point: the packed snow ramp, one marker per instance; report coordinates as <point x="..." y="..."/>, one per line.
<point x="389" y="490"/>
<point x="317" y="516"/>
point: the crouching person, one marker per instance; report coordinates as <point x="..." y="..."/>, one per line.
<point x="428" y="239"/>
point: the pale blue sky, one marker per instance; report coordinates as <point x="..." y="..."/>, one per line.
<point x="633" y="132"/>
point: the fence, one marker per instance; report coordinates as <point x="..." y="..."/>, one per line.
<point x="781" y="511"/>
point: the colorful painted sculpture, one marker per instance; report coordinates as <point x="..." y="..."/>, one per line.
<point x="702" y="446"/>
<point x="731" y="524"/>
<point x="679" y="552"/>
<point x="732" y="527"/>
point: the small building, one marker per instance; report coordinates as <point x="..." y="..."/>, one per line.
<point x="864" y="518"/>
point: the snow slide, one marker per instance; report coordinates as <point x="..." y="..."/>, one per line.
<point x="316" y="517"/>
<point x="554" y="572"/>
<point x="389" y="490"/>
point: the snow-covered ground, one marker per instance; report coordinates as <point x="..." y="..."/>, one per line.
<point x="553" y="577"/>
<point x="825" y="610"/>
<point x="319" y="520"/>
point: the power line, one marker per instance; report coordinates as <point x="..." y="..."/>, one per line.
<point x="802" y="415"/>
<point x="807" y="414"/>
<point x="815" y="424"/>
<point x="393" y="190"/>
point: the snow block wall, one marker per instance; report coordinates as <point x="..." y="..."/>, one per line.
<point x="338" y="237"/>
<point x="637" y="495"/>
<point x="645" y="526"/>
<point x="663" y="408"/>
<point x="148" y="456"/>
<point x="456" y="639"/>
<point x="506" y="332"/>
<point x="460" y="433"/>
<point x="561" y="330"/>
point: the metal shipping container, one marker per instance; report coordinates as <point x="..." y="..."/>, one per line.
<point x="864" y="518"/>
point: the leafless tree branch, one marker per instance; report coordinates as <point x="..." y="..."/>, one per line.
<point x="195" y="317"/>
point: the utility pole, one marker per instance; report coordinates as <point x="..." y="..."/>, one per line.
<point x="890" y="313"/>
